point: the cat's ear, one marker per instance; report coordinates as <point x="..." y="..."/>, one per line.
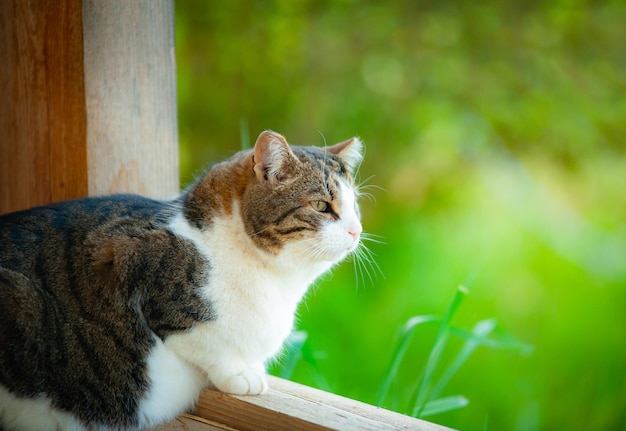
<point x="350" y="151"/>
<point x="273" y="159"/>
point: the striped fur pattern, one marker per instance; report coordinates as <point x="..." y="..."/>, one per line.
<point x="116" y="311"/>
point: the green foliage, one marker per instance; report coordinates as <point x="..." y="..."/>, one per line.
<point x="496" y="133"/>
<point x="425" y="400"/>
<point x="424" y="392"/>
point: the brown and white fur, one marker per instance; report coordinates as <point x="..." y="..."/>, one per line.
<point x="119" y="310"/>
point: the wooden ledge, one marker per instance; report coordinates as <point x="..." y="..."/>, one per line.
<point x="289" y="406"/>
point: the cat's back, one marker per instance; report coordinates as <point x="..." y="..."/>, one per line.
<point x="29" y="232"/>
<point x="43" y="243"/>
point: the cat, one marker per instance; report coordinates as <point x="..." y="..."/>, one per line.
<point x="115" y="312"/>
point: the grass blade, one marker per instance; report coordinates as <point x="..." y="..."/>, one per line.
<point x="480" y="332"/>
<point x="442" y="405"/>
<point x="421" y="396"/>
<point x="308" y="355"/>
<point x="503" y="340"/>
<point x="299" y="350"/>
<point x="399" y="351"/>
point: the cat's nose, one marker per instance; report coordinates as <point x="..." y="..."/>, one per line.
<point x="355" y="230"/>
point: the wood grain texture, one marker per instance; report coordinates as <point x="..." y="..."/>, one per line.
<point x="130" y="84"/>
<point x="43" y="157"/>
<point x="288" y="406"/>
<point x="190" y="423"/>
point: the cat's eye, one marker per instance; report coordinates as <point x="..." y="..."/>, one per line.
<point x="320" y="206"/>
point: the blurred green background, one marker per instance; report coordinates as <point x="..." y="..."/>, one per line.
<point x="495" y="131"/>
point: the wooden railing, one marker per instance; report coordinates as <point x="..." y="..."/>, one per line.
<point x="88" y="107"/>
<point x="289" y="406"/>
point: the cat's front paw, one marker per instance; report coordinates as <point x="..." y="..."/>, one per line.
<point x="249" y="382"/>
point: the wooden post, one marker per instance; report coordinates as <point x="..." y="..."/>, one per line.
<point x="130" y="86"/>
<point x="88" y="100"/>
<point x="43" y="157"/>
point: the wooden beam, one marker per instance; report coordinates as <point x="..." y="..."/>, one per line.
<point x="289" y="406"/>
<point x="43" y="157"/>
<point x="190" y="423"/>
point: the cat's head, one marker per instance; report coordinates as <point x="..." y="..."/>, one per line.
<point x="303" y="200"/>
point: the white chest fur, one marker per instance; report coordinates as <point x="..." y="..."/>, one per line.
<point x="254" y="296"/>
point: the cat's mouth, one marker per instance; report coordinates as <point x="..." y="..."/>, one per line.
<point x="343" y="252"/>
<point x="354" y="244"/>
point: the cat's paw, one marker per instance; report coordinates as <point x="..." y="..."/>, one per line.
<point x="249" y="382"/>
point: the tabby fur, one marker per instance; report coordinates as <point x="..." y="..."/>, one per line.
<point x="116" y="311"/>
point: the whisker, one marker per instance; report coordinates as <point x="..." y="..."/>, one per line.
<point x="364" y="190"/>
<point x="365" y="236"/>
<point x="360" y="260"/>
<point x="364" y="263"/>
<point x="362" y="183"/>
<point x="313" y="251"/>
<point x="371" y="186"/>
<point x="366" y="268"/>
<point x="369" y="196"/>
<point x="323" y="138"/>
<point x="257" y="233"/>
